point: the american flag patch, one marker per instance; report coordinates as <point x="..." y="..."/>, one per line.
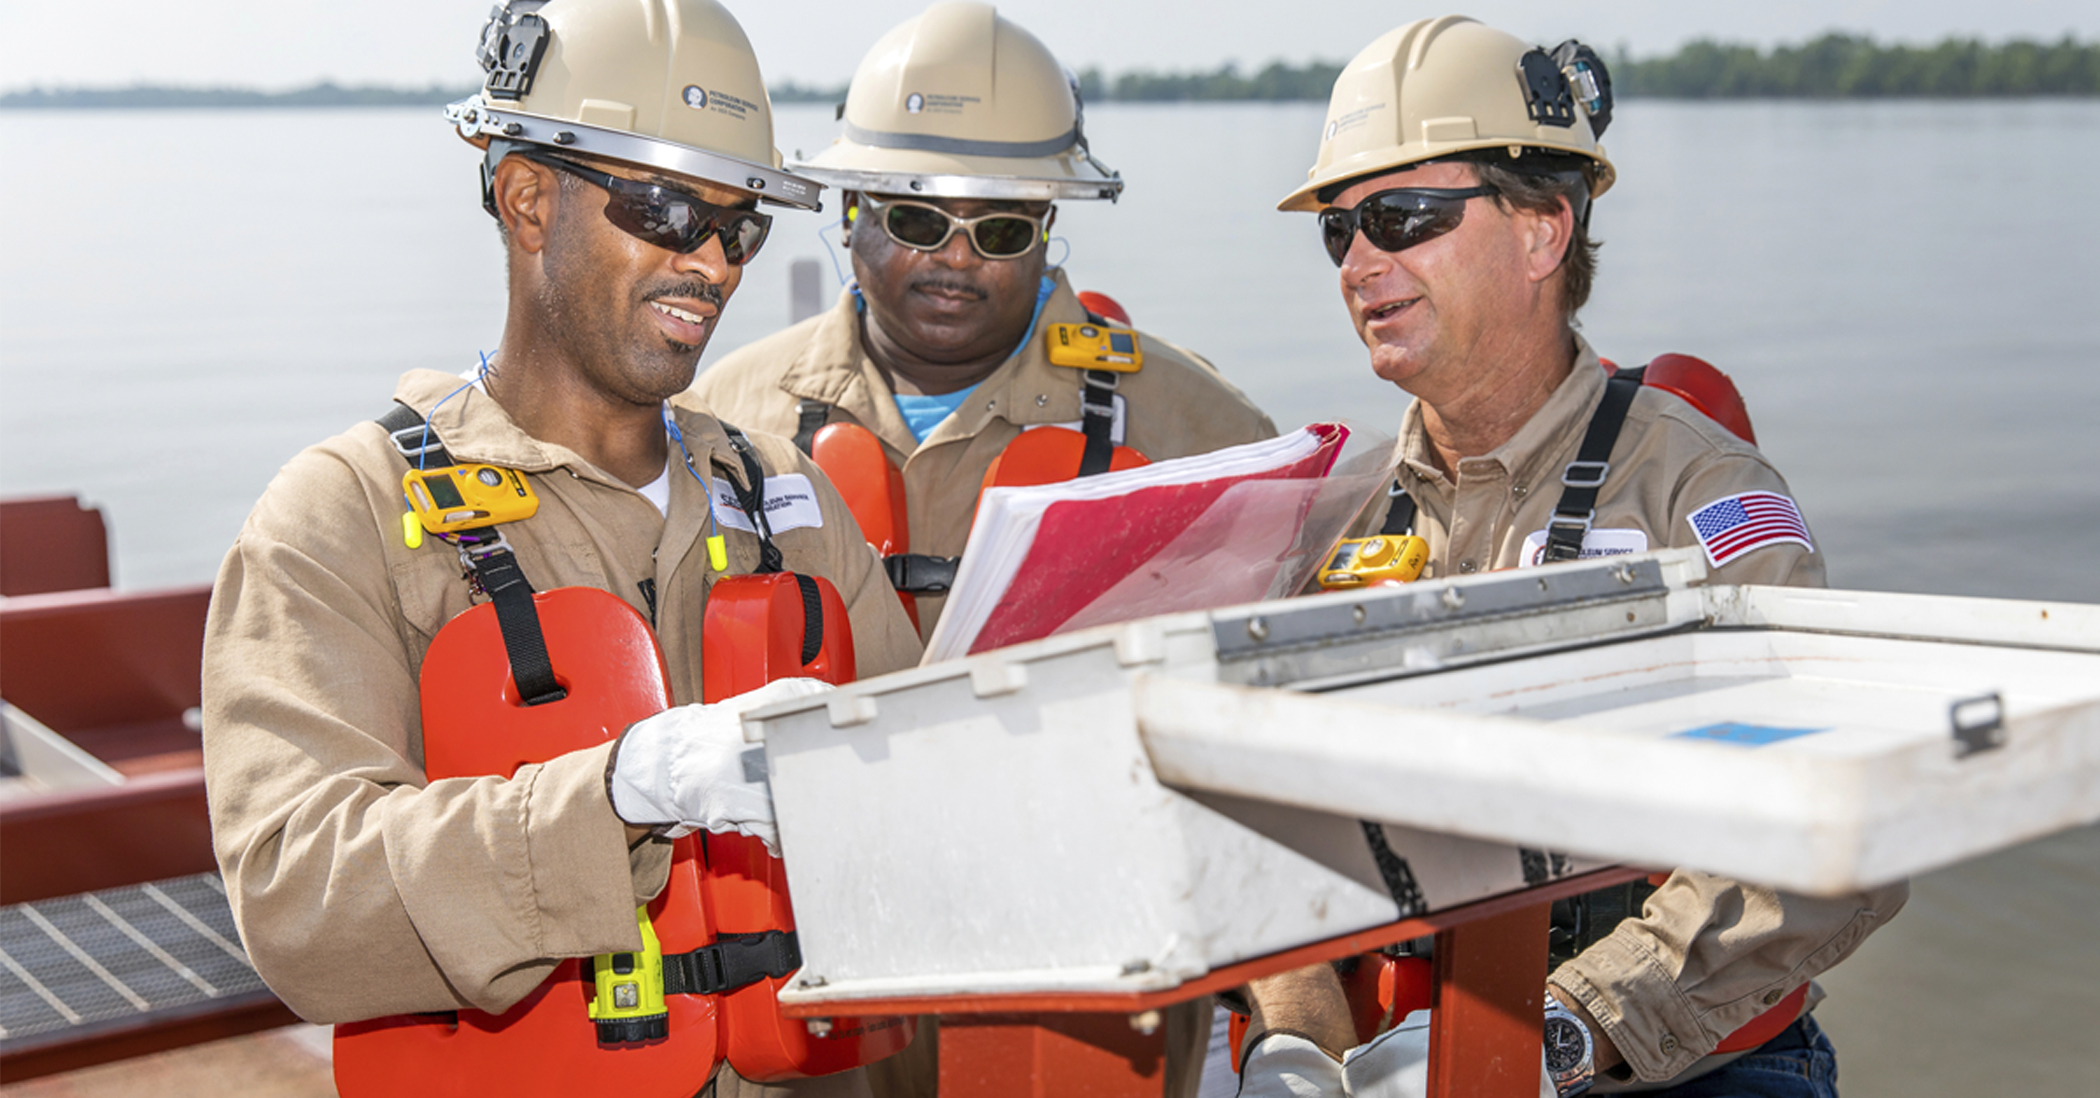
<point x="1737" y="524"/>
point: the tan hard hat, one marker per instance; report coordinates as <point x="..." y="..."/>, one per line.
<point x="664" y="84"/>
<point x="1439" y="87"/>
<point x="958" y="102"/>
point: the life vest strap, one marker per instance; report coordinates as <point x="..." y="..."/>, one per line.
<point x="1400" y="513"/>
<point x="1584" y="476"/>
<point x="751" y="497"/>
<point x="487" y="554"/>
<point x="919" y="574"/>
<point x="1097" y="421"/>
<point x="810" y="417"/>
<point x="733" y="962"/>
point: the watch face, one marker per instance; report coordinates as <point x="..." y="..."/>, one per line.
<point x="1565" y="1046"/>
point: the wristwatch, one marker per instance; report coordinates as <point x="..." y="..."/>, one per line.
<point x="1570" y="1053"/>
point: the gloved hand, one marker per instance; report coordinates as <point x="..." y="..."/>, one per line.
<point x="688" y="768"/>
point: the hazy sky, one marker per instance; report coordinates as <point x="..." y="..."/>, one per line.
<point x="287" y="43"/>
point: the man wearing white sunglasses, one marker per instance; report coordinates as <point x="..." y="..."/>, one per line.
<point x="960" y="129"/>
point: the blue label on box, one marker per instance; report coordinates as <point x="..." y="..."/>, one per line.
<point x="1749" y="735"/>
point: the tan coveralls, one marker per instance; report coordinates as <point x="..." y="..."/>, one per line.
<point x="1177" y="405"/>
<point x="360" y="888"/>
<point x="1707" y="954"/>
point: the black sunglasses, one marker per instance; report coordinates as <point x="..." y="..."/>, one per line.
<point x="670" y="218"/>
<point x="1398" y="219"/>
<point x="926" y="227"/>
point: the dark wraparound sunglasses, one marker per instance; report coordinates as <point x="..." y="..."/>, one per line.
<point x="925" y="227"/>
<point x="670" y="218"/>
<point x="1398" y="219"/>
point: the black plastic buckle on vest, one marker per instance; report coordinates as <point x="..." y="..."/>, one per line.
<point x="733" y="962"/>
<point x="919" y="574"/>
<point x="1584" y="477"/>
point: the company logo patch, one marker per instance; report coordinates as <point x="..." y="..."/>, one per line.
<point x="1331" y="127"/>
<point x="1596" y="543"/>
<point x="1747" y="521"/>
<point x="790" y="504"/>
<point x="914" y="103"/>
<point x="696" y="97"/>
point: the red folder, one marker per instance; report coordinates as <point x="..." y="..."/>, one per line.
<point x="1191" y="533"/>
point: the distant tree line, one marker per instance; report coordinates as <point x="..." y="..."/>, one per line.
<point x="1842" y="66"/>
<point x="1835" y="66"/>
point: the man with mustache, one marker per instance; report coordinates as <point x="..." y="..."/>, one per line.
<point x="1453" y="183"/>
<point x="361" y="888"/>
<point x="960" y="129"/>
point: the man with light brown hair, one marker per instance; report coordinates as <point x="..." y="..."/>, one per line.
<point x="1453" y="184"/>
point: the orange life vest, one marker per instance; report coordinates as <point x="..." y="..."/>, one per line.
<point x="723" y="920"/>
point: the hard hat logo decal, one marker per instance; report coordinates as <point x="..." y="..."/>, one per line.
<point x="914" y="103"/>
<point x="1352" y="120"/>
<point x="717" y="101"/>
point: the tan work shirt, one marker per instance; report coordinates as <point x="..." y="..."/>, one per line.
<point x="1707" y="954"/>
<point x="360" y="888"/>
<point x="1175" y="405"/>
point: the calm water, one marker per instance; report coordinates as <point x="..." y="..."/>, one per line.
<point x="1905" y="292"/>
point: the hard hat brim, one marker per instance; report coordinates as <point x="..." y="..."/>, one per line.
<point x="1068" y="174"/>
<point x="478" y="122"/>
<point x="1344" y="174"/>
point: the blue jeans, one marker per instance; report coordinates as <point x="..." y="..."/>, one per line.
<point x="1799" y="1063"/>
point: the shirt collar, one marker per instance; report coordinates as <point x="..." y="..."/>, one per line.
<point x="1536" y="451"/>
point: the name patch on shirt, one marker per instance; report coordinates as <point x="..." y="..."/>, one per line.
<point x="1596" y="543"/>
<point x="790" y="504"/>
<point x="1745" y="522"/>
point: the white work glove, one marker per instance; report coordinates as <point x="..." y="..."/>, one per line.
<point x="688" y="768"/>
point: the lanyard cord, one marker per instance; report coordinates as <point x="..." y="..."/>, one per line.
<point x="717" y="548"/>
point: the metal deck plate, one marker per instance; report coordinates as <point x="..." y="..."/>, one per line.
<point x="119" y="958"/>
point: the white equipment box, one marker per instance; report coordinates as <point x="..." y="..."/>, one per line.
<point x="1127" y="808"/>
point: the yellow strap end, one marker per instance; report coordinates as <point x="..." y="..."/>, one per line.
<point x="411" y="530"/>
<point x="717" y="553"/>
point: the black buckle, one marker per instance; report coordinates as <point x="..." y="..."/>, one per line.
<point x="733" y="962"/>
<point x="919" y="574"/>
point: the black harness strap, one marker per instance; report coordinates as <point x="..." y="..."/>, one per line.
<point x="1097" y="414"/>
<point x="812" y="414"/>
<point x="1097" y="421"/>
<point x="495" y="567"/>
<point x="1400" y="514"/>
<point x="751" y="496"/>
<point x="519" y="620"/>
<point x="1585" y="475"/>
